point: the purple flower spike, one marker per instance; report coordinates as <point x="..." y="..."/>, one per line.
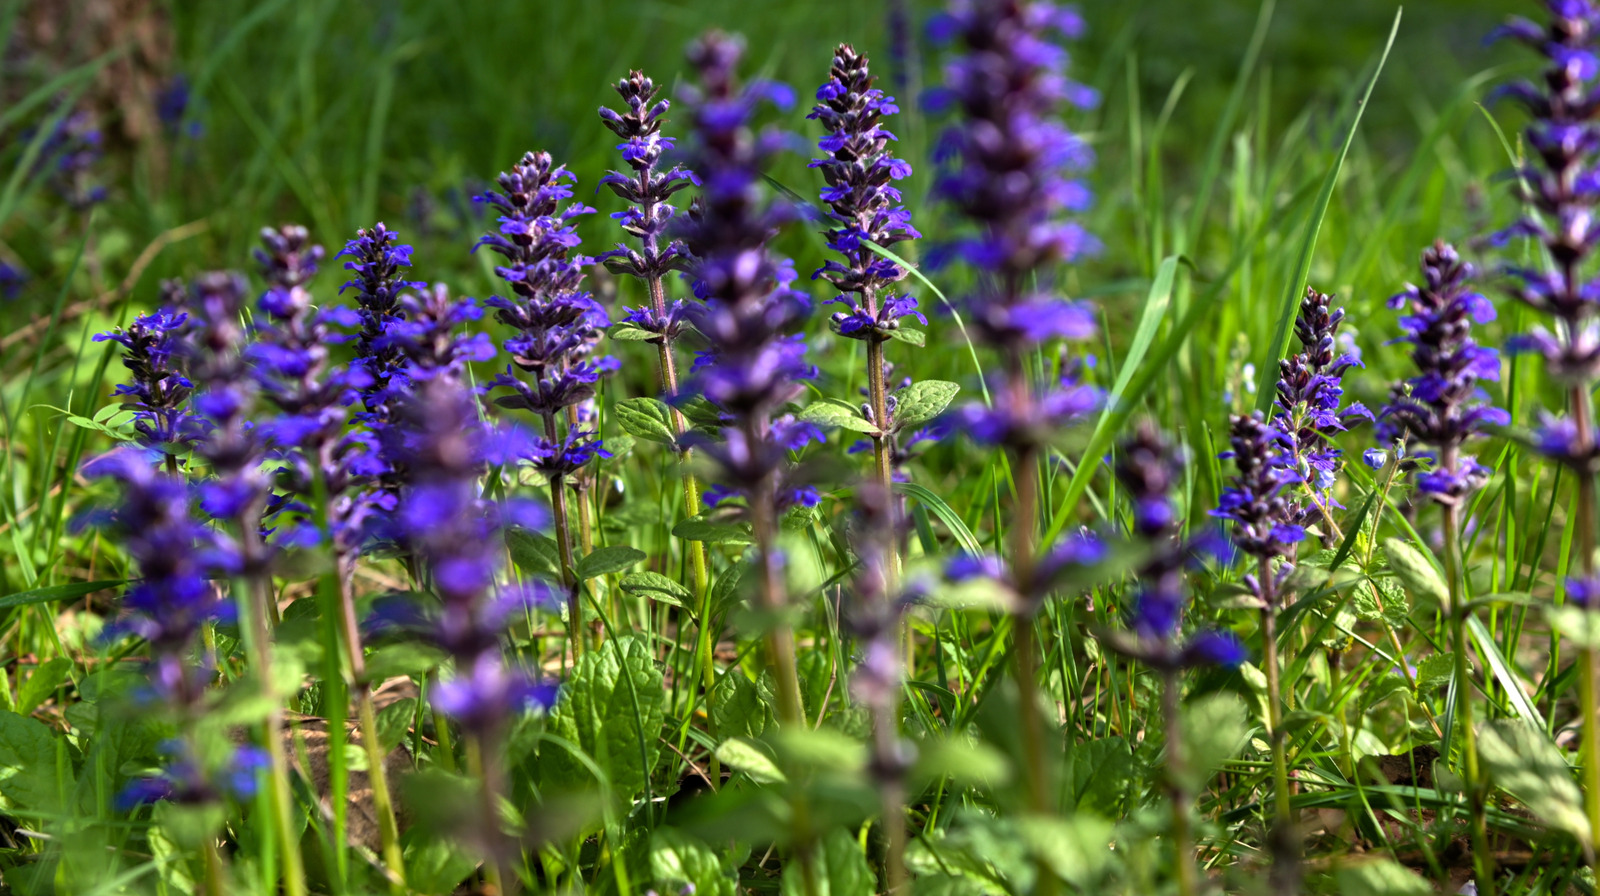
<point x="153" y="352"/>
<point x="1009" y="163"/>
<point x="648" y="189"/>
<point x="864" y="205"/>
<point x="1442" y="405"/>
<point x="1265" y="519"/>
<point x="1309" y="393"/>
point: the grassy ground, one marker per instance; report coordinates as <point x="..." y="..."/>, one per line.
<point x="1215" y="142"/>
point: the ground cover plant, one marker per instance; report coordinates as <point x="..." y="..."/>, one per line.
<point x="932" y="449"/>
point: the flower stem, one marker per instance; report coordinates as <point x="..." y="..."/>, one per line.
<point x="367" y="717"/>
<point x="569" y="579"/>
<point x="256" y="594"/>
<point x="482" y="766"/>
<point x="1178" y="788"/>
<point x="1482" y="859"/>
<point x="1283" y="814"/>
<point x="1041" y="792"/>
<point x="1588" y="657"/>
<point x="883" y="472"/>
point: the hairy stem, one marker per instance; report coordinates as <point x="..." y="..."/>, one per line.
<point x="481" y="765"/>
<point x="569" y="579"/>
<point x="1588" y="658"/>
<point x="1482" y="859"/>
<point x="1041" y="791"/>
<point x="1177" y="787"/>
<point x="256" y="595"/>
<point x="883" y="473"/>
<point x="367" y="717"/>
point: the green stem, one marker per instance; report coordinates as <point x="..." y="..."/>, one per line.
<point x="1588" y="658"/>
<point x="1283" y="814"/>
<point x="883" y="473"/>
<point x="1041" y="791"/>
<point x="1482" y="858"/>
<point x="255" y="594"/>
<point x="569" y="579"/>
<point x="1177" y="788"/>
<point x="482" y="766"/>
<point x="367" y="717"/>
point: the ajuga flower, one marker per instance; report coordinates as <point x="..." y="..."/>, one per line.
<point x="1149" y="470"/>
<point x="172" y="597"/>
<point x="1442" y="406"/>
<point x="67" y="158"/>
<point x="376" y="262"/>
<point x="293" y="367"/>
<point x="428" y="337"/>
<point x="755" y="363"/>
<point x="864" y="205"/>
<point x="152" y="350"/>
<point x="1008" y="168"/>
<point x="558" y="323"/>
<point x="1266" y="519"/>
<point x="1561" y="184"/>
<point x="11" y="281"/>
<point x="1309" y="393"/>
<point x="648" y="218"/>
<point x="455" y="532"/>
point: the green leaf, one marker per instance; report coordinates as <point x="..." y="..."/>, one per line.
<point x="626" y="332"/>
<point x="726" y="589"/>
<point x="1268" y="363"/>
<point x="1076" y="849"/>
<point x="30" y="770"/>
<point x="1102" y="775"/>
<point x="394" y="721"/>
<point x="736" y="706"/>
<point x="838" y="866"/>
<point x="696" y="528"/>
<point x="532" y="553"/>
<point x="677" y="859"/>
<point x="657" y="587"/>
<point x="408" y="659"/>
<point x="1420" y="577"/>
<point x="837" y="415"/>
<point x="1380" y="877"/>
<point x="923" y="401"/>
<point x="646" y="418"/>
<point x="1576" y="624"/>
<point x="56" y="592"/>
<point x="611" y="709"/>
<point x="1434" y="670"/>
<point x="42" y="683"/>
<point x="1214" y="729"/>
<point x="910" y="336"/>
<point x="745" y="755"/>
<point x="1523" y="762"/>
<point x="607" y="560"/>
